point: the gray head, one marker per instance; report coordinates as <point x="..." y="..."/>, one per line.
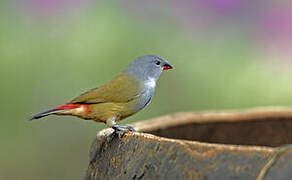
<point x="146" y="67"/>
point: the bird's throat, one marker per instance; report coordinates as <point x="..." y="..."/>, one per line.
<point x="150" y="83"/>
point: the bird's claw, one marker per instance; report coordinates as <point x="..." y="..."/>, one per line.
<point x="120" y="130"/>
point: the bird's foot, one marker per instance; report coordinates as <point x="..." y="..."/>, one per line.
<point x="120" y="130"/>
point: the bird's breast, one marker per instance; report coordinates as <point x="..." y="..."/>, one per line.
<point x="150" y="83"/>
<point x="142" y="100"/>
<point x="145" y="98"/>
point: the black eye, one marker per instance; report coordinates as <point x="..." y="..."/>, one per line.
<point x="157" y="63"/>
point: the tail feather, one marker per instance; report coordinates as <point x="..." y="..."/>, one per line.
<point x="45" y="113"/>
<point x="53" y="111"/>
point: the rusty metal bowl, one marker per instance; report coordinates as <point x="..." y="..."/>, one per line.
<point x="251" y="144"/>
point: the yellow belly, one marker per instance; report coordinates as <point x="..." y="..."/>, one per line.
<point x="105" y="111"/>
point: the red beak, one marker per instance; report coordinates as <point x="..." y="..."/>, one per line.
<point x="167" y="66"/>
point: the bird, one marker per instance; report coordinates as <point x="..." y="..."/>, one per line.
<point x="126" y="94"/>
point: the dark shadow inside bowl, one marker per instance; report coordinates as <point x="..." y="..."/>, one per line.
<point x="267" y="132"/>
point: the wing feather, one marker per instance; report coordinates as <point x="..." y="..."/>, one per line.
<point x="121" y="89"/>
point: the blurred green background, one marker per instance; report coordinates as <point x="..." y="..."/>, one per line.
<point x="227" y="54"/>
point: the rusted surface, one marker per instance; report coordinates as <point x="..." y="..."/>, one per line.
<point x="169" y="156"/>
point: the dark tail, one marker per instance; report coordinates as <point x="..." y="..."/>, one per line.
<point x="46" y="113"/>
<point x="53" y="111"/>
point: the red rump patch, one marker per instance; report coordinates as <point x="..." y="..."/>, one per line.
<point x="69" y="106"/>
<point x="86" y="108"/>
<point x="73" y="106"/>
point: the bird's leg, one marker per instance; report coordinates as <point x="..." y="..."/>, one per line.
<point x="124" y="128"/>
<point x="120" y="130"/>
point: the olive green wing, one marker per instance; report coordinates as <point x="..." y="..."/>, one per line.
<point x="121" y="89"/>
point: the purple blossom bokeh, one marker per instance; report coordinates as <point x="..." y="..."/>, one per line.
<point x="275" y="34"/>
<point x="225" y="6"/>
<point x="263" y="22"/>
<point x="277" y="23"/>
